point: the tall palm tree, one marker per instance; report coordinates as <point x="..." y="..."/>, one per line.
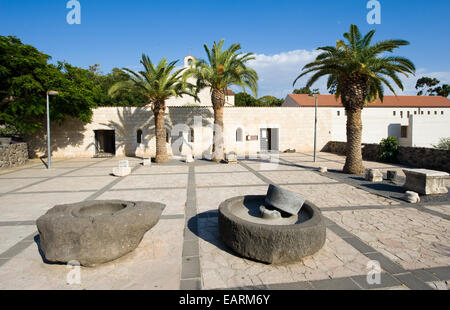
<point x="222" y="69"/>
<point x="156" y="84"/>
<point x="356" y="72"/>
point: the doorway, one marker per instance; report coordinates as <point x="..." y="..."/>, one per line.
<point x="269" y="138"/>
<point x="105" y="142"/>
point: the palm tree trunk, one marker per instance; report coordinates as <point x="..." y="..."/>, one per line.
<point x="353" y="161"/>
<point x="218" y="101"/>
<point x="160" y="129"/>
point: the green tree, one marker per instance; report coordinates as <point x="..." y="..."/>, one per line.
<point x="247" y="100"/>
<point x="222" y="69"/>
<point x="429" y="87"/>
<point x="244" y="100"/>
<point x="357" y="70"/>
<point x="306" y="91"/>
<point x="26" y="76"/>
<point x="156" y="85"/>
<point x="270" y="101"/>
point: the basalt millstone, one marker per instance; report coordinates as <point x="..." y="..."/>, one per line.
<point x="95" y="232"/>
<point x="252" y="237"/>
<point x="284" y="199"/>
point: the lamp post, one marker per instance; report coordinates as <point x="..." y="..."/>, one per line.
<point x="49" y="154"/>
<point x="315" y="125"/>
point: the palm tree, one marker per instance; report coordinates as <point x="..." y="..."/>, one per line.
<point x="356" y="72"/>
<point x="156" y="84"/>
<point x="222" y="69"/>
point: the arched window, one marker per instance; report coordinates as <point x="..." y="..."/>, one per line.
<point x="191" y="136"/>
<point x="139" y="136"/>
<point x="239" y="135"/>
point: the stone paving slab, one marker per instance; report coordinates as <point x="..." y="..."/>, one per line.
<point x="148" y="182"/>
<point x="287" y="177"/>
<point x="267" y="166"/>
<point x="155" y="264"/>
<point x="155" y="169"/>
<point x="224" y="168"/>
<point x="174" y="199"/>
<point x="210" y="198"/>
<point x="407" y="236"/>
<point x="26" y="207"/>
<point x="444" y="209"/>
<point x="8" y="185"/>
<point x="70" y="184"/>
<point x="227" y="179"/>
<point x="9" y="236"/>
<point x="338" y="195"/>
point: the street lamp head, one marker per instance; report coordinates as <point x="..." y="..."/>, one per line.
<point x="52" y="93"/>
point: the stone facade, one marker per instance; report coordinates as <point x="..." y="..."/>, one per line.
<point x="13" y="155"/>
<point x="420" y="157"/>
<point x="190" y="129"/>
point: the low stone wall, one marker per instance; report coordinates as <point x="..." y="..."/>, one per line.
<point x="419" y="157"/>
<point x="13" y="155"/>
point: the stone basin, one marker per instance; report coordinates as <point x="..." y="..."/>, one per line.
<point x="95" y="232"/>
<point x="274" y="241"/>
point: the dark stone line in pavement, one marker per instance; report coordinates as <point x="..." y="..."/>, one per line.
<point x="190" y="266"/>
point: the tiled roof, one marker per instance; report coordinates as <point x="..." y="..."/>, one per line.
<point x="388" y="102"/>
<point x="230" y="92"/>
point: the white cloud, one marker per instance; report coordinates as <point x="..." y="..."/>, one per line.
<point x="277" y="72"/>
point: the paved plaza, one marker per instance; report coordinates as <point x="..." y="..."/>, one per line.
<point x="411" y="242"/>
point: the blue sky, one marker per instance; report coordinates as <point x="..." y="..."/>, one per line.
<point x="283" y="34"/>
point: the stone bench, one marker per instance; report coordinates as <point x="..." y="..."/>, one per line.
<point x="425" y="182"/>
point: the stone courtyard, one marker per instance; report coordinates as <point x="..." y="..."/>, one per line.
<point x="411" y="242"/>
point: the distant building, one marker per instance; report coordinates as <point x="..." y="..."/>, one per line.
<point x="204" y="95"/>
<point x="415" y="120"/>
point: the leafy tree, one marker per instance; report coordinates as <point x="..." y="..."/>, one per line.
<point x="444" y="144"/>
<point x="429" y="87"/>
<point x="307" y="91"/>
<point x="156" y="85"/>
<point x="357" y="70"/>
<point x="26" y="76"/>
<point x="270" y="101"/>
<point x="244" y="100"/>
<point x="222" y="69"/>
<point x="389" y="149"/>
<point x="247" y="100"/>
<point x="121" y="98"/>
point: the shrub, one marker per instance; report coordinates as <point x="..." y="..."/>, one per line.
<point x="444" y="144"/>
<point x="389" y="149"/>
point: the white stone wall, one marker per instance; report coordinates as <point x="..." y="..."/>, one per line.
<point x="296" y="130"/>
<point x="427" y="131"/>
<point x="379" y="123"/>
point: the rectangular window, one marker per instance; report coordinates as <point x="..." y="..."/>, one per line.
<point x="401" y="114"/>
<point x="442" y="112"/>
<point x="393" y="113"/>
<point x="421" y="112"/>
<point x="435" y="112"/>
<point x="404" y="131"/>
<point x="338" y="113"/>
<point x="429" y="112"/>
<point x="408" y="113"/>
<point x="415" y="112"/>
